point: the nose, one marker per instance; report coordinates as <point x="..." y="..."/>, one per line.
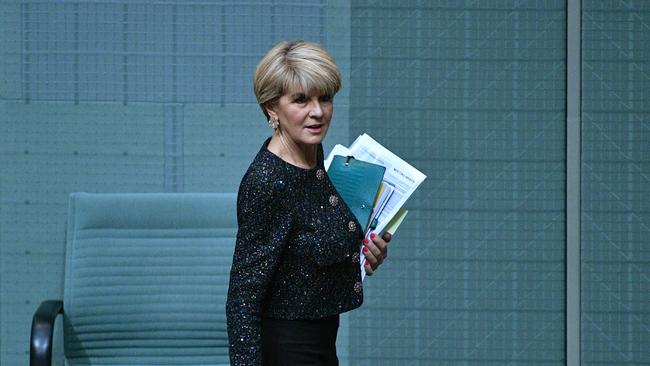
<point x="316" y="109"/>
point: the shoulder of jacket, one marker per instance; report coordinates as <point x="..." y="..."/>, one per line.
<point x="266" y="179"/>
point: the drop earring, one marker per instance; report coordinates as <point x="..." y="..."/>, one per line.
<point x="274" y="123"/>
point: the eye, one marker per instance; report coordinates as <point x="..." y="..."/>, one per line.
<point x="300" y="98"/>
<point x="325" y="98"/>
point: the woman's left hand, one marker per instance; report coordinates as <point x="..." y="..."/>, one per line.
<point x="375" y="250"/>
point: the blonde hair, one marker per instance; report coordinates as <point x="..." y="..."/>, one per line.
<point x="292" y="66"/>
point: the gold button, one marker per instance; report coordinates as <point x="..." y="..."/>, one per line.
<point x="355" y="257"/>
<point x="320" y="174"/>
<point x="334" y="200"/>
<point x="352" y="226"/>
<point x="357" y="287"/>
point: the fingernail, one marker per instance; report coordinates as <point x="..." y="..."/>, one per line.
<point x="372" y="236"/>
<point x="365" y="240"/>
<point x="365" y="249"/>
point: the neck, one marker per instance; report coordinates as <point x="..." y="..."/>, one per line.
<point x="304" y="156"/>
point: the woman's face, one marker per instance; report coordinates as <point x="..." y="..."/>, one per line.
<point x="304" y="119"/>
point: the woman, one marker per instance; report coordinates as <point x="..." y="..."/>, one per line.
<point x="296" y="261"/>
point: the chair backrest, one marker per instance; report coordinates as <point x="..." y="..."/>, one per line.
<point x="146" y="278"/>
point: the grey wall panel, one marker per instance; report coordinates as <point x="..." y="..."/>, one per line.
<point x="615" y="180"/>
<point x="473" y="94"/>
<point x="10" y="50"/>
<point x="195" y="52"/>
<point x="616" y="197"/>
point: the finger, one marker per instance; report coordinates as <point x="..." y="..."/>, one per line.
<point x="372" y="260"/>
<point x="379" y="241"/>
<point x="387" y="237"/>
<point x="375" y="250"/>
<point x="369" y="270"/>
<point x="381" y="245"/>
<point x="367" y="251"/>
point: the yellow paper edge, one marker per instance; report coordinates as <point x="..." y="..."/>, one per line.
<point x="382" y="186"/>
<point x="396" y="221"/>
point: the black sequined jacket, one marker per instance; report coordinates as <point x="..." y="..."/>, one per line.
<point x="296" y="254"/>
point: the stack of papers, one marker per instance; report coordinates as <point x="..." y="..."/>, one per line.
<point x="400" y="181"/>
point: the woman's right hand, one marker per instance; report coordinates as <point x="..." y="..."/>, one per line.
<point x="376" y="251"/>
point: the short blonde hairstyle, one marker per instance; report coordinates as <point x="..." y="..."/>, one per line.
<point x="292" y="66"/>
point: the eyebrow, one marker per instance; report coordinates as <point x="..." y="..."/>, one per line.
<point x="298" y="94"/>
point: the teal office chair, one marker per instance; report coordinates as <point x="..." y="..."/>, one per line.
<point x="146" y="278"/>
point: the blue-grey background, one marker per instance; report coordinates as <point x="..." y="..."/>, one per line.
<point x="156" y="96"/>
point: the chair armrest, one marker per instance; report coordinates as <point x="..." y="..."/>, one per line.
<point x="40" y="349"/>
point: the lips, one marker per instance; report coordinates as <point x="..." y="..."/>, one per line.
<point x="315" y="129"/>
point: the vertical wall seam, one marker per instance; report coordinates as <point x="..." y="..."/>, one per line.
<point x="125" y="49"/>
<point x="224" y="60"/>
<point x="173" y="147"/>
<point x="26" y="59"/>
<point x="573" y="131"/>
<point x="174" y="85"/>
<point x="322" y="15"/>
<point x="75" y="62"/>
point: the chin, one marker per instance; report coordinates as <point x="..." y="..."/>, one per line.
<point x="314" y="140"/>
<point x="321" y="137"/>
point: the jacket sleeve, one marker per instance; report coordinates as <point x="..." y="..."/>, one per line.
<point x="264" y="226"/>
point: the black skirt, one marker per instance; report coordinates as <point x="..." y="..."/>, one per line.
<point x="300" y="342"/>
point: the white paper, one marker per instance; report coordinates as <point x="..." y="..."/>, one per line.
<point x="337" y="150"/>
<point x="399" y="174"/>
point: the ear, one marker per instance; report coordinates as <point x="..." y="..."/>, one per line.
<point x="270" y="110"/>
